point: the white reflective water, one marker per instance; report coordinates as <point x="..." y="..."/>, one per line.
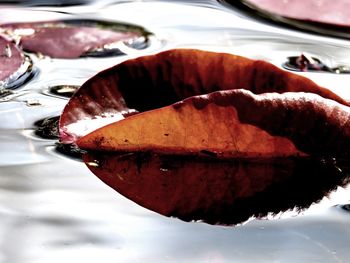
<point x="52" y="209"/>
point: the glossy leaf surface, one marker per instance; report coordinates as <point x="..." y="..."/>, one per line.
<point x="159" y="80"/>
<point x="233" y="124"/>
<point x="217" y="191"/>
<point x="11" y="59"/>
<point x="254" y="143"/>
<point x="334" y="13"/>
<point x="65" y="39"/>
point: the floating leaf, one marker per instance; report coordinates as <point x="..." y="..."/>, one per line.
<point x="311" y="11"/>
<point x="73" y="38"/>
<point x="15" y="68"/>
<point x="323" y="17"/>
<point x="159" y="80"/>
<point x="257" y="140"/>
<point x="233" y="124"/>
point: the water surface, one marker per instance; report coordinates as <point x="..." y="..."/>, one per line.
<point x="53" y="209"/>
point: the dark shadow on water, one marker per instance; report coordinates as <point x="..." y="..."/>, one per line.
<point x="346" y="207"/>
<point x="47" y="128"/>
<point x="218" y="191"/>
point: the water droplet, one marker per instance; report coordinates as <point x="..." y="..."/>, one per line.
<point x="345" y="207"/>
<point x="47" y="128"/>
<point x="309" y="63"/>
<point x="94" y="163"/>
<point x="8" y="52"/>
<point x="5" y="92"/>
<point x="65" y="91"/>
<point x="70" y="150"/>
<point x="305" y="62"/>
<point x="33" y="103"/>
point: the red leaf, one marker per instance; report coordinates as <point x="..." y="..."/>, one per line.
<point x="325" y="12"/>
<point x="60" y="40"/>
<point x="159" y="80"/>
<point x="266" y="121"/>
<point x="233" y="124"/>
<point x="11" y="59"/>
<point x="216" y="191"/>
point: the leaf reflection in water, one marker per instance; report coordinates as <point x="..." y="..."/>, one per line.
<point x="214" y="191"/>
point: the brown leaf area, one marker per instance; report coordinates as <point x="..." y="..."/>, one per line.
<point x="155" y="81"/>
<point x="216" y="191"/>
<point x="185" y="129"/>
<point x="217" y="137"/>
<point x="233" y="124"/>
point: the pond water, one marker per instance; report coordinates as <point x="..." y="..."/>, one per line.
<point x="53" y="209"/>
